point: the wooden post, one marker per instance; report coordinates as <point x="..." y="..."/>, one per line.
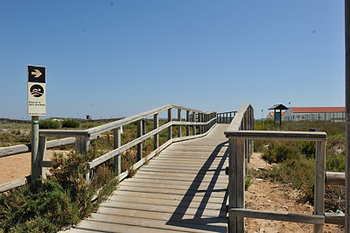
<point x="42" y="156"/>
<point x="216" y="121"/>
<point x="82" y="147"/>
<point x="144" y="131"/>
<point x="170" y="130"/>
<point x="35" y="173"/>
<point x="347" y="116"/>
<point x="187" y="119"/>
<point x="194" y="128"/>
<point x="208" y="118"/>
<point x="117" y="143"/>
<point x="206" y="121"/>
<point x="200" y="120"/>
<point x="236" y="183"/>
<point x="139" y="134"/>
<point x="179" y="119"/>
<point x="156" y="125"/>
<point x="320" y="160"/>
<point x="251" y="127"/>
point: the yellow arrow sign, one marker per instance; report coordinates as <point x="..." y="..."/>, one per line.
<point x="37" y="73"/>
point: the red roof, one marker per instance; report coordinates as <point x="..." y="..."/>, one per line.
<point x="317" y="109"/>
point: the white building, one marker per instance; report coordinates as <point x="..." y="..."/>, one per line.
<point x="315" y="113"/>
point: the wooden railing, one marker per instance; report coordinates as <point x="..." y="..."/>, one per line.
<point x="198" y="124"/>
<point x="226" y="117"/>
<point x="240" y="133"/>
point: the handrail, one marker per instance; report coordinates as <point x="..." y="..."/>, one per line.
<point x="240" y="133"/>
<point x="239" y="119"/>
<point x="195" y="121"/>
<point x="24" y="148"/>
<point x="115" y="124"/>
<point x="226" y="117"/>
<point x="281" y="135"/>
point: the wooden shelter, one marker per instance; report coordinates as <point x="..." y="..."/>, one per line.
<point x="278" y="115"/>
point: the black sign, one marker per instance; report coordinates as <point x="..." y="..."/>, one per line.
<point x="36" y="90"/>
<point x="36" y="74"/>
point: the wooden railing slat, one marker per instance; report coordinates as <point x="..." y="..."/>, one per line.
<point x="82" y="138"/>
<point x="289" y="217"/>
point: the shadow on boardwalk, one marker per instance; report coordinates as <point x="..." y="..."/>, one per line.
<point x="183" y="189"/>
<point x="199" y="221"/>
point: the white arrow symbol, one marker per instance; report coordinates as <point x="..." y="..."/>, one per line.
<point x="37" y="73"/>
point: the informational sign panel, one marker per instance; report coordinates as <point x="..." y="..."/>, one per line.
<point x="36" y="91"/>
<point x="278" y="118"/>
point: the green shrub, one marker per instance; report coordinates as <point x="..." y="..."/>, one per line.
<point x="299" y="172"/>
<point x="88" y="125"/>
<point x="61" y="200"/>
<point x="307" y="148"/>
<point x="247" y="182"/>
<point x="279" y="151"/>
<point x="7" y="139"/>
<point x="336" y="163"/>
<point x="43" y="208"/>
<point x="70" y="123"/>
<point x="296" y="165"/>
<point x="49" y="124"/>
<point x="70" y="171"/>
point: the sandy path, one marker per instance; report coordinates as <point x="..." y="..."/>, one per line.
<point x="268" y="196"/>
<point x="18" y="166"/>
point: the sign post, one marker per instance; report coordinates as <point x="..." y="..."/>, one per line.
<point x="36" y="108"/>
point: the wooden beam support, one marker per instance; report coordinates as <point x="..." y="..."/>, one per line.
<point x="288" y="217"/>
<point x="116" y="144"/>
<point x="335" y="178"/>
<point x="187" y="120"/>
<point x="155" y="126"/>
<point x="320" y="160"/>
<point x="170" y="129"/>
<point x="179" y="119"/>
<point x="139" y="134"/>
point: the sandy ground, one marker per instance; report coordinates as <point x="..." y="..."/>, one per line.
<point x="261" y="195"/>
<point x="276" y="197"/>
<point x="18" y="166"/>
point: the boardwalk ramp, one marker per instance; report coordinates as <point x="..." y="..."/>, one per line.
<point x="183" y="189"/>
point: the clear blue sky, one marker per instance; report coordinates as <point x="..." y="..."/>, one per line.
<point x="119" y="58"/>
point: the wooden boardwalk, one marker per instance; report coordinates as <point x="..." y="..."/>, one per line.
<point x="183" y="189"/>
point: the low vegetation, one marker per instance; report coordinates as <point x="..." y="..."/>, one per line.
<point x="70" y="123"/>
<point x="64" y="197"/>
<point x="58" y="201"/>
<point x="49" y="124"/>
<point x="295" y="160"/>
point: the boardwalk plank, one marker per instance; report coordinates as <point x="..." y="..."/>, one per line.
<point x="170" y="203"/>
<point x="217" y="193"/>
<point x="158" y="224"/>
<point x="177" y="185"/>
<point x="110" y="227"/>
<point x="192" y="208"/>
<point x="170" y="197"/>
<point x="183" y="189"/>
<point x="145" y="214"/>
